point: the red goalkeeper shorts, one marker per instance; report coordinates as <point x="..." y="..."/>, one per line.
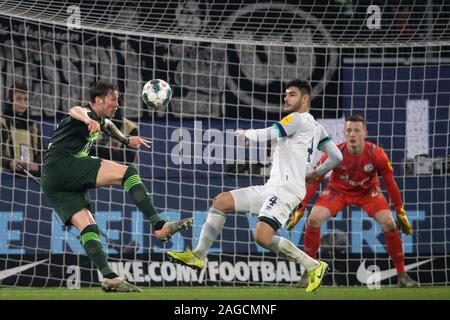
<point x="371" y="201"/>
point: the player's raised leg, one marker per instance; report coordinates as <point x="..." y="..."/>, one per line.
<point x="394" y="247"/>
<point x="222" y="204"/>
<point x="111" y="173"/>
<point x="90" y="240"/>
<point x="274" y="213"/>
<point x="265" y="236"/>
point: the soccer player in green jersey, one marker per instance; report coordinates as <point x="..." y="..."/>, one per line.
<point x="68" y="172"/>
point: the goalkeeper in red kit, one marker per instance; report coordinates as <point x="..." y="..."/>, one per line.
<point x="354" y="182"/>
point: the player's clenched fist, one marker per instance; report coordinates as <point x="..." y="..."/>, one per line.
<point x="93" y="126"/>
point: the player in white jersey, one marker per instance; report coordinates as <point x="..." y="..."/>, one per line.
<point x="297" y="136"/>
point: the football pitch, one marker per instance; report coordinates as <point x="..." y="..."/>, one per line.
<point x="230" y="293"/>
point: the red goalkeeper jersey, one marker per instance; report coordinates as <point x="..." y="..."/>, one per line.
<point x="358" y="174"/>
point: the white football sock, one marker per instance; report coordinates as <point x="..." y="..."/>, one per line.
<point x="210" y="230"/>
<point x="288" y="250"/>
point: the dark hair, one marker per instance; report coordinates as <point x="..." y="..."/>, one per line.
<point x="101" y="89"/>
<point x="303" y="85"/>
<point x="18" y="86"/>
<point x="356" y="118"/>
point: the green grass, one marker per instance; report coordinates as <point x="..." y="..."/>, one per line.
<point x="229" y="293"/>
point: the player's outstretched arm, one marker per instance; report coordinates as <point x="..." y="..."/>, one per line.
<point x="133" y="142"/>
<point x="288" y="126"/>
<point x="136" y="142"/>
<point x="254" y="135"/>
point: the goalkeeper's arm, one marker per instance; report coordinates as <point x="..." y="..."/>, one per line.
<point x="394" y="193"/>
<point x="311" y="190"/>
<point x="385" y="169"/>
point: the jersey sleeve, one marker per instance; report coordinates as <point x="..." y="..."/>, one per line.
<point x="328" y="147"/>
<point x="385" y="169"/>
<point x="322" y="159"/>
<point x="324" y="138"/>
<point x="288" y="125"/>
<point x="312" y="188"/>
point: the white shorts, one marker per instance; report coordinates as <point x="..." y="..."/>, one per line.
<point x="276" y="203"/>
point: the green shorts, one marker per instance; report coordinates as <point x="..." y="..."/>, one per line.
<point x="65" y="181"/>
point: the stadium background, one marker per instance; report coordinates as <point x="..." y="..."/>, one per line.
<point x="216" y="85"/>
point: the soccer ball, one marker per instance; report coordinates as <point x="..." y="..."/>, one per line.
<point x="156" y="94"/>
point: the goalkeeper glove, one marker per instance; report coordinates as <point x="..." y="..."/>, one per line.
<point x="295" y="218"/>
<point x="403" y="223"/>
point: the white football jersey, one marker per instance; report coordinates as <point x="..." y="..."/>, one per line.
<point x="299" y="136"/>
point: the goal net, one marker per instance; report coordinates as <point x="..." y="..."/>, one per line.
<point x="227" y="63"/>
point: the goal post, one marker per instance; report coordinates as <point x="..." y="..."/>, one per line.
<point x="227" y="64"/>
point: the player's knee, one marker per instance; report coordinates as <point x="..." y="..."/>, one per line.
<point x="90" y="228"/>
<point x="261" y="242"/>
<point x="314" y="221"/>
<point x="317" y="217"/>
<point x="129" y="172"/>
<point x="385" y="219"/>
<point x="262" y="239"/>
<point x="388" y="225"/>
<point x="223" y="202"/>
<point x="90" y="233"/>
<point x="264" y="231"/>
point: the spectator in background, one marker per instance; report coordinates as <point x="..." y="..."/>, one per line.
<point x="401" y="22"/>
<point x="21" y="142"/>
<point x="111" y="149"/>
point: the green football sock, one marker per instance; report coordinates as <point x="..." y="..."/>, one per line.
<point x="90" y="240"/>
<point x="138" y="193"/>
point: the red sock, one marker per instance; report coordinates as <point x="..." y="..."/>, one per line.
<point x="312" y="241"/>
<point x="395" y="249"/>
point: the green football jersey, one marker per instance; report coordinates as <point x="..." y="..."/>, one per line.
<point x="72" y="137"/>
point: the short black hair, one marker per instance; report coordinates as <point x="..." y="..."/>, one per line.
<point x="303" y="85"/>
<point x="101" y="89"/>
<point x="356" y="118"/>
<point x="17" y="86"/>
